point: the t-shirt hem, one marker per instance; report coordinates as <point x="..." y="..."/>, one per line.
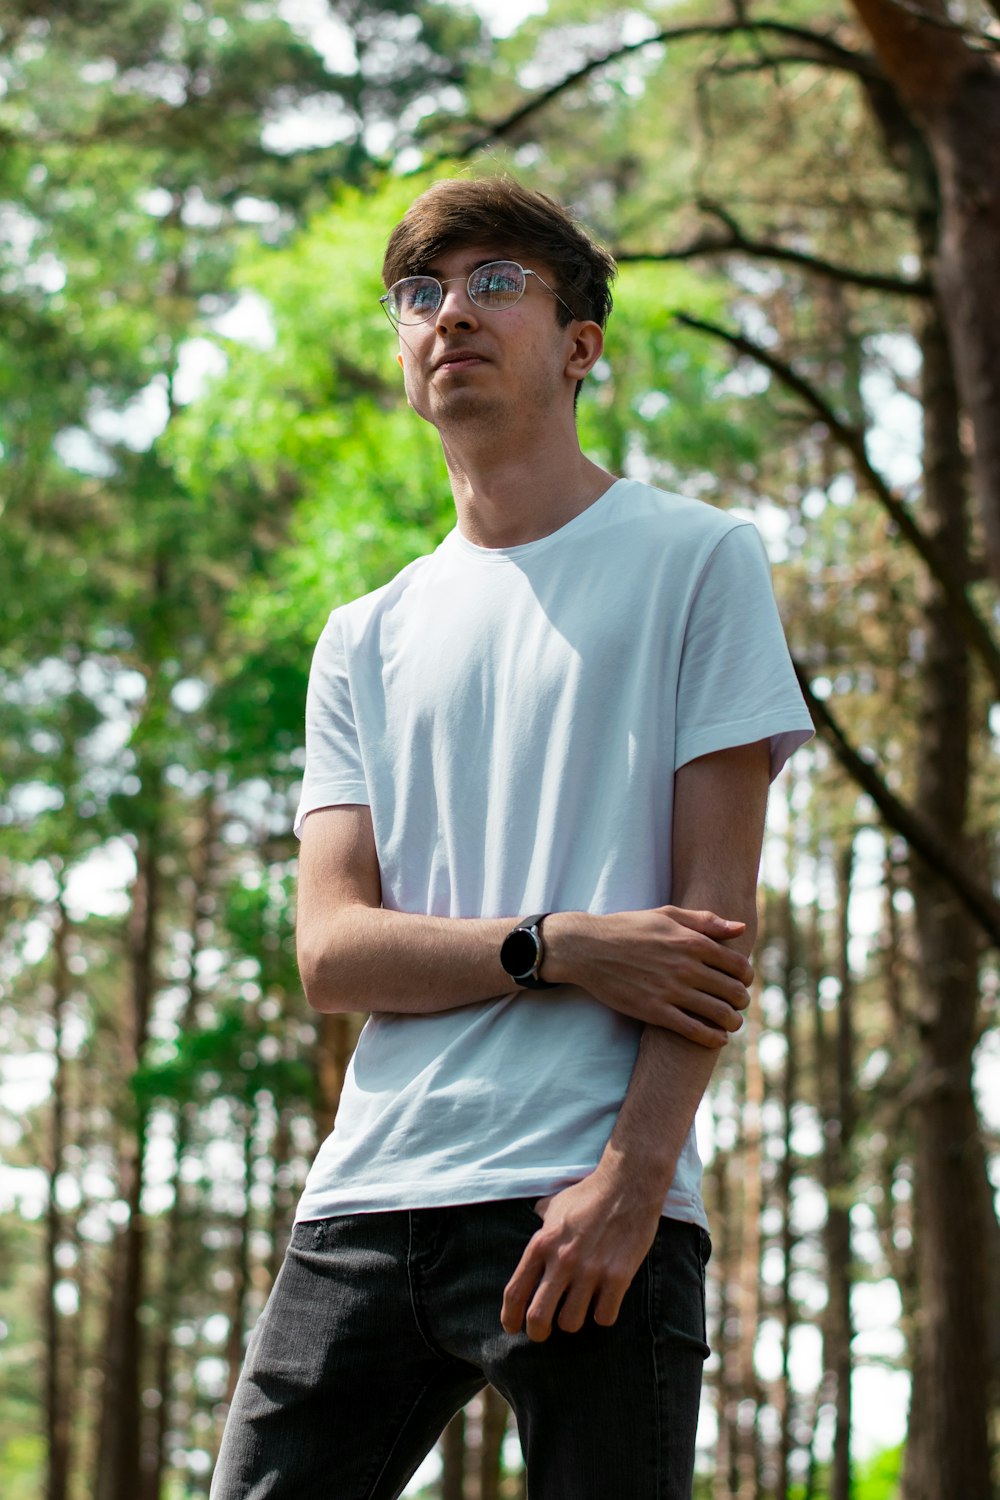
<point x="419" y="1194"/>
<point x="337" y="794"/>
<point x="785" y="739"/>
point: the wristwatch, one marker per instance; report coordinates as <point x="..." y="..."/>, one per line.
<point x="523" y="952"/>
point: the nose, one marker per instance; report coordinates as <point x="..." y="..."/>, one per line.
<point x="457" y="309"/>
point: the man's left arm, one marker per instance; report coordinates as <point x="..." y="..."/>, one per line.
<point x="596" y="1233"/>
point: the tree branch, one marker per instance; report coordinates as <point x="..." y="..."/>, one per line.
<point x="737" y="241"/>
<point x="904" y="820"/>
<point x="977" y="41"/>
<point x="829" y="53"/>
<point x="974" y="628"/>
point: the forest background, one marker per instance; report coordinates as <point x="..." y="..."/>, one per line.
<point x="203" y="449"/>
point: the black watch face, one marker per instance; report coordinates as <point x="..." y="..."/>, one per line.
<point x="519" y="952"/>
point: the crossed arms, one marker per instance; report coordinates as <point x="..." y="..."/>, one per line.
<point x="681" y="969"/>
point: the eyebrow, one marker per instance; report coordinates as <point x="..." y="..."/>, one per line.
<point x="487" y="260"/>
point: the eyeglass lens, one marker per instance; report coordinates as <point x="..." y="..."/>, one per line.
<point x="417" y="298"/>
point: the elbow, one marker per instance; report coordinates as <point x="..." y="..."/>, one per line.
<point x="324" y="976"/>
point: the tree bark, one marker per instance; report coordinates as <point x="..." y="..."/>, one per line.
<point x="241" y="1268"/>
<point x="118" y="1442"/>
<point x="334" y="1043"/>
<point x="494" y="1425"/>
<point x="724" y="1479"/>
<point x="953" y="92"/>
<point x="156" y="1424"/>
<point x="947" y="1449"/>
<point x="453" y="1459"/>
<point x="839" y="1127"/>
<point x="57" y="1388"/>
<point x="786" y="1176"/>
<point x="748" y="1429"/>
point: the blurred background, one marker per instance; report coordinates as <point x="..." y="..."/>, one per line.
<point x="203" y="449"/>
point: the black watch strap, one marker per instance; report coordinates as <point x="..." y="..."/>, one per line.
<point x="523" y="953"/>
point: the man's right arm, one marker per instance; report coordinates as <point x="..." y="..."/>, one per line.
<point x="668" y="967"/>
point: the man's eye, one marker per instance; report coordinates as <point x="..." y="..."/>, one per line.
<point x="497" y="283"/>
<point x="422" y="297"/>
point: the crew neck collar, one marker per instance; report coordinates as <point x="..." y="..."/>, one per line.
<point x="578" y="523"/>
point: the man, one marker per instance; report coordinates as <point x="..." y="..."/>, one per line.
<point x="519" y="752"/>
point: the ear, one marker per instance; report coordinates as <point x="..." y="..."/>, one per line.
<point x="585" y="350"/>
<point x="399" y="359"/>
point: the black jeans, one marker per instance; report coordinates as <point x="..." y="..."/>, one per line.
<point x="381" y="1326"/>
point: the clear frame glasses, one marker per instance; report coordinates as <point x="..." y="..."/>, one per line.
<point x="493" y="287"/>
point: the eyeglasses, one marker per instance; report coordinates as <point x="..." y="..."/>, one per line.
<point x="494" y="287"/>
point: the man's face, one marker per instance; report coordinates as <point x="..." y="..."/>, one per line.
<point x="467" y="366"/>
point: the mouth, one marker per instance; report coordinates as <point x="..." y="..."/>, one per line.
<point x="459" y="359"/>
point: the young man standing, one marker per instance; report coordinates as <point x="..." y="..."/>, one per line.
<point x="537" y="768"/>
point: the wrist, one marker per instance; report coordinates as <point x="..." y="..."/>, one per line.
<point x="566" y="936"/>
<point x="628" y="1186"/>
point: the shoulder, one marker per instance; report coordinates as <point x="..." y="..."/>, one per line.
<point x="352" y="621"/>
<point x="651" y="519"/>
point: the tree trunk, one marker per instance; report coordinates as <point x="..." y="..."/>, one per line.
<point x="118" y="1443"/>
<point x="494" y="1425"/>
<point x="241" y="1270"/>
<point x="453" y="1459"/>
<point x="789" y="1095"/>
<point x="334" y="1043"/>
<point x="954" y="94"/>
<point x="948" y="1448"/>
<point x="840" y="1135"/>
<point x="156" y="1425"/>
<point x="725" y="1479"/>
<point x="749" y="1466"/>
<point x="57" y="1388"/>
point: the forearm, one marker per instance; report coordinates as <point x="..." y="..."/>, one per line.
<point x="354" y="956"/>
<point x="364" y="958"/>
<point x="668" y="1082"/>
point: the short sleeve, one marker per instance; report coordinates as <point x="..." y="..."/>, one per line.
<point x="334" y="774"/>
<point x="736" y="683"/>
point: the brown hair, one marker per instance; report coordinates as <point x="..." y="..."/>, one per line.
<point x="499" y="211"/>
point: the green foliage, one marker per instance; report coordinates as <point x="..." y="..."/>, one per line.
<point x="22" y="1466"/>
<point x="877" y="1478"/>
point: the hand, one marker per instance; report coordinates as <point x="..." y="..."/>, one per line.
<point x="587" y="1251"/>
<point x="668" y="967"/>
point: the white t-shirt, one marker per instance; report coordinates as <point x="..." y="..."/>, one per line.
<point x="514" y="718"/>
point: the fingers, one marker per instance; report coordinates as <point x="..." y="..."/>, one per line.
<point x="532" y="1295"/>
<point x="703" y="1032"/>
<point x="520" y="1287"/>
<point x="708" y="922"/>
<point x="718" y="930"/>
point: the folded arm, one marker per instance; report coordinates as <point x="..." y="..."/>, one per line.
<point x="669" y="967"/>
<point x="596" y="1233"/>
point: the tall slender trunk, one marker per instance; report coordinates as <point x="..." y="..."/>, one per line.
<point x="453" y="1450"/>
<point x="241" y="1269"/>
<point x="737" y="1258"/>
<point x="953" y="91"/>
<point x="156" y="1425"/>
<point x="839" y="1127"/>
<point x="335" y="1040"/>
<point x="118" y="1441"/>
<point x="725" y="1479"/>
<point x="786" y="1176"/>
<point x="153" y="1452"/>
<point x="749" y="1464"/>
<point x="282" y="1196"/>
<point x="494" y="1425"/>
<point x="948" y="1448"/>
<point x="58" y="1389"/>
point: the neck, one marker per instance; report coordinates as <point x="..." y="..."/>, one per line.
<point x="506" y="494"/>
